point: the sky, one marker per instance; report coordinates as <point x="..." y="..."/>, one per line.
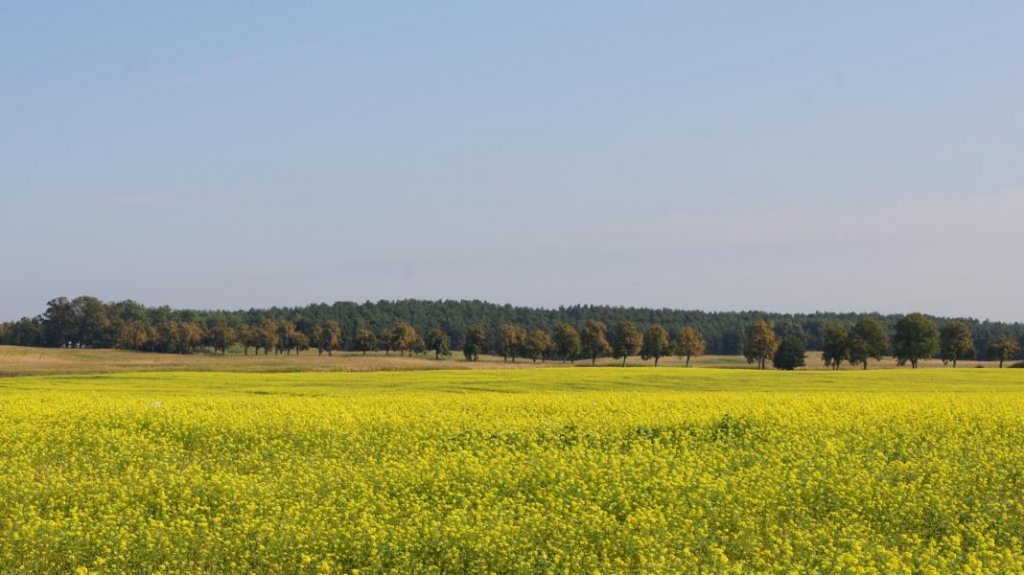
<point x="782" y="156"/>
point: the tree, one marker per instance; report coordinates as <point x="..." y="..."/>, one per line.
<point x="566" y="342"/>
<point x="92" y="326"/>
<point x="689" y="343"/>
<point x="761" y="343"/>
<point x="59" y="323"/>
<point x="287" y="337"/>
<point x="267" y="337"/>
<point x="249" y="336"/>
<point x="916" y="337"/>
<point x="790" y="354"/>
<point x="956" y="342"/>
<point x="300" y="342"/>
<point x="439" y="342"/>
<point x="364" y="340"/>
<point x="538" y="345"/>
<point x="594" y="340"/>
<point x="656" y="344"/>
<point x="836" y="348"/>
<point x="1004" y="348"/>
<point x="133" y="335"/>
<point x="627" y="341"/>
<point x="221" y="336"/>
<point x="867" y="340"/>
<point x="476" y="340"/>
<point x="326" y="337"/>
<point x="403" y="338"/>
<point x="511" y="340"/>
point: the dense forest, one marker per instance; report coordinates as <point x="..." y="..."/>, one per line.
<point x="88" y="322"/>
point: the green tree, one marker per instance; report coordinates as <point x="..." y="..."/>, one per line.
<point x="221" y="336"/>
<point x="566" y="342"/>
<point x="326" y="337"/>
<point x="836" y="348"/>
<point x="476" y="341"/>
<point x="956" y="342"/>
<point x="92" y="325"/>
<point x="656" y="344"/>
<point x="867" y="340"/>
<point x="364" y="340"/>
<point x="59" y="323"/>
<point x="287" y="337"/>
<point x="439" y="342"/>
<point x="689" y="343"/>
<point x="916" y="338"/>
<point x="594" y="340"/>
<point x="760" y="344"/>
<point x="300" y="342"/>
<point x="249" y="336"/>
<point x="627" y="341"/>
<point x="790" y="354"/>
<point x="511" y="340"/>
<point x="403" y="338"/>
<point x="538" y="345"/>
<point x="1004" y="348"/>
<point x="133" y="335"/>
<point x="267" y="337"/>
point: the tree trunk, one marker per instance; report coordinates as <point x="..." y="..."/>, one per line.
<point x="656" y="361"/>
<point x="954" y="363"/>
<point x="1000" y="363"/>
<point x="623" y="361"/>
<point x="687" y="361"/>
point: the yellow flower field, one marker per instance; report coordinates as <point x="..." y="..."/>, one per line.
<point x="517" y="471"/>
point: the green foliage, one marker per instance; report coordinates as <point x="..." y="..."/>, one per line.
<point x="916" y="338"/>
<point x="836" y="349"/>
<point x="86" y="323"/>
<point x="868" y="340"/>
<point x="1004" y="348"/>
<point x="538" y="345"/>
<point x="566" y="342"/>
<point x="511" y="341"/>
<point x="760" y="344"/>
<point x="626" y="340"/>
<point x="689" y="343"/>
<point x="594" y="340"/>
<point x="402" y="338"/>
<point x="326" y="337"/>
<point x="439" y="343"/>
<point x="790" y="354"/>
<point x="956" y="342"/>
<point x="655" y="344"/>
<point x="476" y="343"/>
<point x="364" y="340"/>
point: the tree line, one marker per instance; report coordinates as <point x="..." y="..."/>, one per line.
<point x="474" y="327"/>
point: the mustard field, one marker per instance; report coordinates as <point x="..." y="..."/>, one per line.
<point x="561" y="470"/>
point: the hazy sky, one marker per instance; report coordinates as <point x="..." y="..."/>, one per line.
<point x="787" y="156"/>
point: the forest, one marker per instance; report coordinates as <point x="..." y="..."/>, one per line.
<point x="86" y="321"/>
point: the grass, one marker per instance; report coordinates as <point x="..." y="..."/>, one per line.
<point x="15" y="361"/>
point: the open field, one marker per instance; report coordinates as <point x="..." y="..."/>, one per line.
<point x="514" y="471"/>
<point x="16" y="361"/>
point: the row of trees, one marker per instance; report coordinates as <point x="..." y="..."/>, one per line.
<point x="914" y="338"/>
<point x="723" y="332"/>
<point x="88" y="322"/>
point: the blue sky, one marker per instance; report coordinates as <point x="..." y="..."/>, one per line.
<point x="786" y="156"/>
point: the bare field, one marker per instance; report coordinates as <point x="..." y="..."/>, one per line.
<point x="16" y="361"/>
